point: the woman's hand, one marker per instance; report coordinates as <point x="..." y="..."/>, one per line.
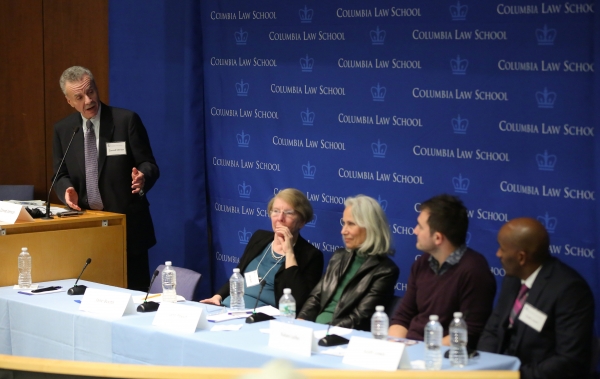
<point x="215" y="300"/>
<point x="284" y="245"/>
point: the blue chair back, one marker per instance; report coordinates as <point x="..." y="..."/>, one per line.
<point x="16" y="192"/>
<point x="187" y="281"/>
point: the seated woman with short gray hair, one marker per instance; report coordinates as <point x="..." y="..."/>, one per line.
<point x="359" y="276"/>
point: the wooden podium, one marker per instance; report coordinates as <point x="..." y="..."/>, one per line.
<point x="60" y="247"/>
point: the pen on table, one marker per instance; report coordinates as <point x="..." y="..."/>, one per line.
<point x="155" y="295"/>
<point x="46" y="289"/>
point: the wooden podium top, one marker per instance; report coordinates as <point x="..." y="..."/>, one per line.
<point x="60" y="247"/>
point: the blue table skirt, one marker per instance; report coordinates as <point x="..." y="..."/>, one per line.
<point x="51" y="326"/>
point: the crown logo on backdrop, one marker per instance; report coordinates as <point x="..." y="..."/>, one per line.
<point x="548" y="222"/>
<point x="545" y="36"/>
<point x="383" y="203"/>
<point x="241" y="37"/>
<point x="461" y="185"/>
<point x="377" y="36"/>
<point x="244" y="236"/>
<point x="545" y="99"/>
<point x="307" y="64"/>
<point x="309" y="171"/>
<point x="546" y="162"/>
<point x="308" y="117"/>
<point x="242" y="88"/>
<point x="244" y="190"/>
<point x="243" y="139"/>
<point x="306" y="15"/>
<point x="459" y="66"/>
<point x="313" y="223"/>
<point x="460" y="125"/>
<point x="459" y="12"/>
<point x="379" y="149"/>
<point x="378" y="93"/>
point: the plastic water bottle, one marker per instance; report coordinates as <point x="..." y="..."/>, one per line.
<point x="236" y="291"/>
<point x="380" y="323"/>
<point x="458" y="341"/>
<point x="24" y="268"/>
<point x="433" y="344"/>
<point x="169" y="284"/>
<point x="287" y="306"/>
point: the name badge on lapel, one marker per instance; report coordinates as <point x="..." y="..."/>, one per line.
<point x="533" y="317"/>
<point x="115" y="148"/>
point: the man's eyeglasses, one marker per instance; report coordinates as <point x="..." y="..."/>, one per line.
<point x="288" y="213"/>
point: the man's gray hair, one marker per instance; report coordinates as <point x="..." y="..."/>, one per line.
<point x="74" y="74"/>
<point x="368" y="214"/>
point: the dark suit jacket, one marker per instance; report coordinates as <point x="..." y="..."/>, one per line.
<point x="301" y="279"/>
<point x="562" y="348"/>
<point x="372" y="285"/>
<point x="114" y="172"/>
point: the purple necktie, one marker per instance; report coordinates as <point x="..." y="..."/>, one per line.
<point x="519" y="303"/>
<point x="91" y="168"/>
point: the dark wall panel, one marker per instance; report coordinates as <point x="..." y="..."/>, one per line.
<point x="22" y="148"/>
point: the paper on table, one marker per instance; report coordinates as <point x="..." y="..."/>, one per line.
<point x="337" y="351"/>
<point x="28" y="292"/>
<point x="157" y="298"/>
<point x="219" y="328"/>
<point x="226" y="316"/>
<point x="268" y="310"/>
<point x="333" y="330"/>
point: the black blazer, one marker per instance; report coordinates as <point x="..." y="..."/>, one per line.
<point x="563" y="347"/>
<point x="114" y="172"/>
<point x="301" y="279"/>
<point x="372" y="285"/>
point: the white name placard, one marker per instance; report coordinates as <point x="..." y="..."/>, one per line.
<point x="376" y="354"/>
<point x="111" y="304"/>
<point x="179" y="317"/>
<point x="293" y="338"/>
<point x="10" y="213"/>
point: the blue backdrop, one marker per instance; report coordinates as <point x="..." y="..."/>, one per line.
<point x="492" y="101"/>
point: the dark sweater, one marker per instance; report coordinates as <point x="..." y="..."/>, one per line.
<point x="468" y="287"/>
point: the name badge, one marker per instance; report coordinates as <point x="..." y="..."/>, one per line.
<point x="252" y="278"/>
<point x="115" y="148"/>
<point x="376" y="354"/>
<point x="182" y="318"/>
<point x="111" y="304"/>
<point x="533" y="317"/>
<point x="293" y="338"/>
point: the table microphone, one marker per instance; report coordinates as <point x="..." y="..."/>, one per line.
<point x="149" y="306"/>
<point x="332" y="339"/>
<point x="48" y="216"/>
<point x="79" y="290"/>
<point x="258" y="317"/>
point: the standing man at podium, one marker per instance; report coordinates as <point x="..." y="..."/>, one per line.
<point x="109" y="167"/>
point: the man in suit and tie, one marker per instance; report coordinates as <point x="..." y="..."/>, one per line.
<point x="110" y="166"/>
<point x="545" y="310"/>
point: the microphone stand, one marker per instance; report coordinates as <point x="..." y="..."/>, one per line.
<point x="79" y="290"/>
<point x="332" y="339"/>
<point x="259" y="317"/>
<point x="48" y="216"/>
<point x="149" y="306"/>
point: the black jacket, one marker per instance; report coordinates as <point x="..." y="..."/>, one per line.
<point x="300" y="279"/>
<point x="114" y="172"/>
<point x="372" y="285"/>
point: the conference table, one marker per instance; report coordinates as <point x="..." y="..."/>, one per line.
<point x="52" y="326"/>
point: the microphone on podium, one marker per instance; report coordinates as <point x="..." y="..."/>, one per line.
<point x="48" y="216"/>
<point x="332" y="339"/>
<point x="79" y="290"/>
<point x="149" y="306"/>
<point x="258" y="317"/>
